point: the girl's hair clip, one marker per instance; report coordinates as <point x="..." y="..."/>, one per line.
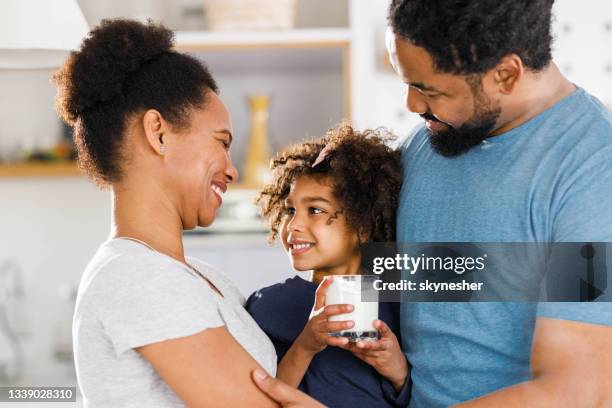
<point x="322" y="155"/>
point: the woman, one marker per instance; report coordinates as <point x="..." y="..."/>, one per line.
<point x="152" y="327"/>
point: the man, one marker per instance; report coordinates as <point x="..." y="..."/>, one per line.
<point x="511" y="151"/>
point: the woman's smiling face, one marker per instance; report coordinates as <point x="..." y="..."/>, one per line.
<point x="314" y="232"/>
<point x="199" y="164"/>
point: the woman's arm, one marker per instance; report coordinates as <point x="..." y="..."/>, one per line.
<point x="207" y="369"/>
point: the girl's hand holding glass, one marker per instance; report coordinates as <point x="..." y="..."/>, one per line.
<point x="315" y="336"/>
<point x="385" y="355"/>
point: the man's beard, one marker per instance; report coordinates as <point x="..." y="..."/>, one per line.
<point x="456" y="141"/>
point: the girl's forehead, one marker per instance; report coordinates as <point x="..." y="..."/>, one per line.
<point x="307" y="186"/>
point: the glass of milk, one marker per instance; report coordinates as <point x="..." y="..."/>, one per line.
<point x="348" y="289"/>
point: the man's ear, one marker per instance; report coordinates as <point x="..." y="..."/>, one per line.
<point x="154" y="126"/>
<point x="507" y="74"/>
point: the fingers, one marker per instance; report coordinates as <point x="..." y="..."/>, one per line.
<point x="321" y="292"/>
<point x="383" y="329"/>
<point x="282" y="393"/>
<point x="275" y="389"/>
<point x="379" y="345"/>
<point x="337" y="341"/>
<point x="333" y="310"/>
<point x="327" y="326"/>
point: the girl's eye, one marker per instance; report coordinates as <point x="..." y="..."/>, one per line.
<point x="289" y="210"/>
<point x="314" y="210"/>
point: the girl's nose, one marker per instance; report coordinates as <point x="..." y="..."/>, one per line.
<point x="295" y="224"/>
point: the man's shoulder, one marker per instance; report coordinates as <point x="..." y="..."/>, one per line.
<point x="586" y="119"/>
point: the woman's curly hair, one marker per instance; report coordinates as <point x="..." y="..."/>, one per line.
<point x="125" y="67"/>
<point x="365" y="173"/>
<point x="472" y="36"/>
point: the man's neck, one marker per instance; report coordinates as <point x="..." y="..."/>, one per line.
<point x="537" y="93"/>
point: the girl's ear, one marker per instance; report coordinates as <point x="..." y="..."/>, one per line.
<point x="363" y="237"/>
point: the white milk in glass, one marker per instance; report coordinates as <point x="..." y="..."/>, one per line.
<point x="347" y="289"/>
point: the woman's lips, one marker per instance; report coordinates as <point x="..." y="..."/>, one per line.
<point x="218" y="190"/>
<point x="218" y="197"/>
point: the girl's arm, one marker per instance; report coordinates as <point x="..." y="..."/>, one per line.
<point x="314" y="338"/>
<point x="209" y="368"/>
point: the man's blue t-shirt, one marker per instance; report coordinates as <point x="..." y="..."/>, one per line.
<point x="548" y="180"/>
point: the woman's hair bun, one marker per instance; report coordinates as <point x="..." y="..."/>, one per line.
<point x="113" y="51"/>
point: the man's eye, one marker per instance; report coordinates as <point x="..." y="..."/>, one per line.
<point x="226" y="145"/>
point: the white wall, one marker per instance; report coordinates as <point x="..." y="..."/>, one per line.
<point x="50" y="227"/>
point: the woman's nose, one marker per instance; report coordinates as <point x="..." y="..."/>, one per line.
<point x="231" y="173"/>
<point x="414" y="101"/>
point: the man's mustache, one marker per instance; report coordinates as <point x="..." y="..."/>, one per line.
<point x="429" y="116"/>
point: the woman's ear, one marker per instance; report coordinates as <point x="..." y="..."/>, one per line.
<point x="154" y="127"/>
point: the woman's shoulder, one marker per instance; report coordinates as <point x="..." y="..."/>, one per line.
<point x="217" y="277"/>
<point x="116" y="257"/>
<point x="121" y="266"/>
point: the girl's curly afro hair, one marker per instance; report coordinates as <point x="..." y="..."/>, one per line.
<point x="364" y="170"/>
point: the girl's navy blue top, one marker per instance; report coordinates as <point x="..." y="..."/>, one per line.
<point x="335" y="376"/>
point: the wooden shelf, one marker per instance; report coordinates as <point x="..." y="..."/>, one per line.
<point x="299" y="38"/>
<point x="39" y="170"/>
<point x="27" y="170"/>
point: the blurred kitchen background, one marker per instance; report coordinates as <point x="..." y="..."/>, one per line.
<point x="287" y="69"/>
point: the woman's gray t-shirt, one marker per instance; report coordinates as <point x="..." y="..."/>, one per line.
<point x="131" y="296"/>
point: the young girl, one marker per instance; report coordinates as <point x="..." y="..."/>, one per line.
<point x="327" y="198"/>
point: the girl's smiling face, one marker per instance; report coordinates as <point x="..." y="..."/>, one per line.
<point x="314" y="231"/>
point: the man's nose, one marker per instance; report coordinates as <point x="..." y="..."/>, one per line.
<point x="415" y="102"/>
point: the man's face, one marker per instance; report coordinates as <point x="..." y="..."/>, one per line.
<point x="458" y="114"/>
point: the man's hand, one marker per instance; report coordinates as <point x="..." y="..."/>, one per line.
<point x="285" y="395"/>
<point x="315" y="336"/>
<point x="385" y="355"/>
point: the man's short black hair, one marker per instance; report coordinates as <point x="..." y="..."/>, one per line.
<point x="472" y="36"/>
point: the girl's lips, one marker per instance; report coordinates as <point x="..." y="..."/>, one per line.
<point x="301" y="248"/>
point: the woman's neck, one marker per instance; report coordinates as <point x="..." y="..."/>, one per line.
<point x="351" y="267"/>
<point x="146" y="215"/>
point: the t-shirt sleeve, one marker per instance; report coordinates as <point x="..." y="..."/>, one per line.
<point x="399" y="398"/>
<point x="148" y="302"/>
<point x="583" y="214"/>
